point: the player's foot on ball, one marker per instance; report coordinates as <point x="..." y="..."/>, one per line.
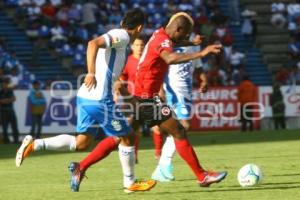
<point x="76" y="176"/>
<point x="25" y="149"/>
<point x="140" y="186"/>
<point x="212" y="177"/>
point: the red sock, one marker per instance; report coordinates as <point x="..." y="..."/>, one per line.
<point x="158" y="142"/>
<point x="136" y="145"/>
<point x="187" y="153"/>
<point x="102" y="150"/>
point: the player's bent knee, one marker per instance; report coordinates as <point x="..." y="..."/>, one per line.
<point x="127" y="140"/>
<point x="83" y="142"/>
<point x="181" y="133"/>
<point x="82" y="146"/>
<point x="186" y="124"/>
<point x="173" y="127"/>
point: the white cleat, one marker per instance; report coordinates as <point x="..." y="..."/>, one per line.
<point x="159" y="176"/>
<point x="20" y="153"/>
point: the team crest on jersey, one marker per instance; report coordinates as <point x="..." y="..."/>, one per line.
<point x="166" y="43"/>
<point x="165" y="111"/>
<point x="116" y="125"/>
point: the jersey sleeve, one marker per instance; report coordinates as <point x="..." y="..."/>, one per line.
<point x="116" y="38"/>
<point x="164" y="45"/>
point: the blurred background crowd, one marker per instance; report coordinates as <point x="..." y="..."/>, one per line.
<point x="65" y="26"/>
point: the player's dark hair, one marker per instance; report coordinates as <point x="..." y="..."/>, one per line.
<point x="141" y="37"/>
<point x="133" y="18"/>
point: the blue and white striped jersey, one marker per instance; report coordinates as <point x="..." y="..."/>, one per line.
<point x="110" y="62"/>
<point x="180" y="76"/>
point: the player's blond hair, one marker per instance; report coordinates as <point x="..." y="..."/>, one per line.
<point x="179" y="14"/>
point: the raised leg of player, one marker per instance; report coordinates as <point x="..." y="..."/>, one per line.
<point x="58" y="143"/>
<point x="127" y="159"/>
<point x="102" y="150"/>
<point x="187" y="153"/>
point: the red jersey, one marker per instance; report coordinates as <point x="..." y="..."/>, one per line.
<point x="129" y="72"/>
<point x="152" y="68"/>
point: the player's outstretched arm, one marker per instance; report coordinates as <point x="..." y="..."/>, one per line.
<point x="175" y="58"/>
<point x="91" y="53"/>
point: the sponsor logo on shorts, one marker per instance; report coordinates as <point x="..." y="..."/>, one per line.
<point x="166" y="111"/>
<point x="116" y="125"/>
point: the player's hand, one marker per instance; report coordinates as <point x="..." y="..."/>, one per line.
<point x="90" y="81"/>
<point x="197" y="40"/>
<point x="203" y="87"/>
<point x="116" y="96"/>
<point x="214" y="48"/>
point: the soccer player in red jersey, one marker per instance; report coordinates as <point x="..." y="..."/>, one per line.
<point x="153" y="66"/>
<point x="129" y="71"/>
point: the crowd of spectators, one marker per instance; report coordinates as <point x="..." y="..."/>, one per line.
<point x="66" y="26"/>
<point x="18" y="74"/>
<point x="287" y="16"/>
<point x="11" y="68"/>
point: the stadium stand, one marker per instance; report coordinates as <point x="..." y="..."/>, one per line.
<point x="277" y="26"/>
<point x="54" y="34"/>
<point x="255" y="67"/>
<point x="46" y="69"/>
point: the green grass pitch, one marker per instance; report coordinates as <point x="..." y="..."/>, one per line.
<point x="44" y="175"/>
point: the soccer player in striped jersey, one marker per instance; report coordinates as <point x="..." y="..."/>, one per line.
<point x="106" y="56"/>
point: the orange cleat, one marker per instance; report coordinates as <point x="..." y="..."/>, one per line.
<point x="140" y="186"/>
<point x="25" y="149"/>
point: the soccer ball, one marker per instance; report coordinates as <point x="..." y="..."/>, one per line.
<point x="249" y="175"/>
